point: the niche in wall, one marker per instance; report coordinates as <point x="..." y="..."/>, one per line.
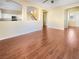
<point x="10" y="11"/>
<point x="32" y="13"/>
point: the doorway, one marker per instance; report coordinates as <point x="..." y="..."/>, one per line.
<point x="44" y="18"/>
<point x="72" y="17"/>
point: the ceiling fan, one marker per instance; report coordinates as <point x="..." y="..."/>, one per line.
<point x="52" y="1"/>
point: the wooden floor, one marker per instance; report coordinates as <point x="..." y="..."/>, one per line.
<point x="45" y="44"/>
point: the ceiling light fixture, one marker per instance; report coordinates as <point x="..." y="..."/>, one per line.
<point x="52" y="1"/>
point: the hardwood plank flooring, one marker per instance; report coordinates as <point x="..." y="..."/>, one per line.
<point x="45" y="44"/>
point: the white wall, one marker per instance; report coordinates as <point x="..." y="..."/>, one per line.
<point x="10" y="29"/>
<point x="56" y="18"/>
<point x="0" y="13"/>
<point x="77" y="19"/>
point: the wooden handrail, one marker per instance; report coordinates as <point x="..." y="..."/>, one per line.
<point x="33" y="16"/>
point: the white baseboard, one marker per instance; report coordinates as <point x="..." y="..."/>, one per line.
<point x="15" y="35"/>
<point x="56" y="27"/>
<point x="18" y="34"/>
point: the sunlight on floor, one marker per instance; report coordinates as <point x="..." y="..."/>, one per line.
<point x="72" y="38"/>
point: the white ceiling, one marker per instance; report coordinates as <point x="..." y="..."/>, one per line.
<point x="8" y="4"/>
<point x="46" y="5"/>
<point x="55" y="4"/>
